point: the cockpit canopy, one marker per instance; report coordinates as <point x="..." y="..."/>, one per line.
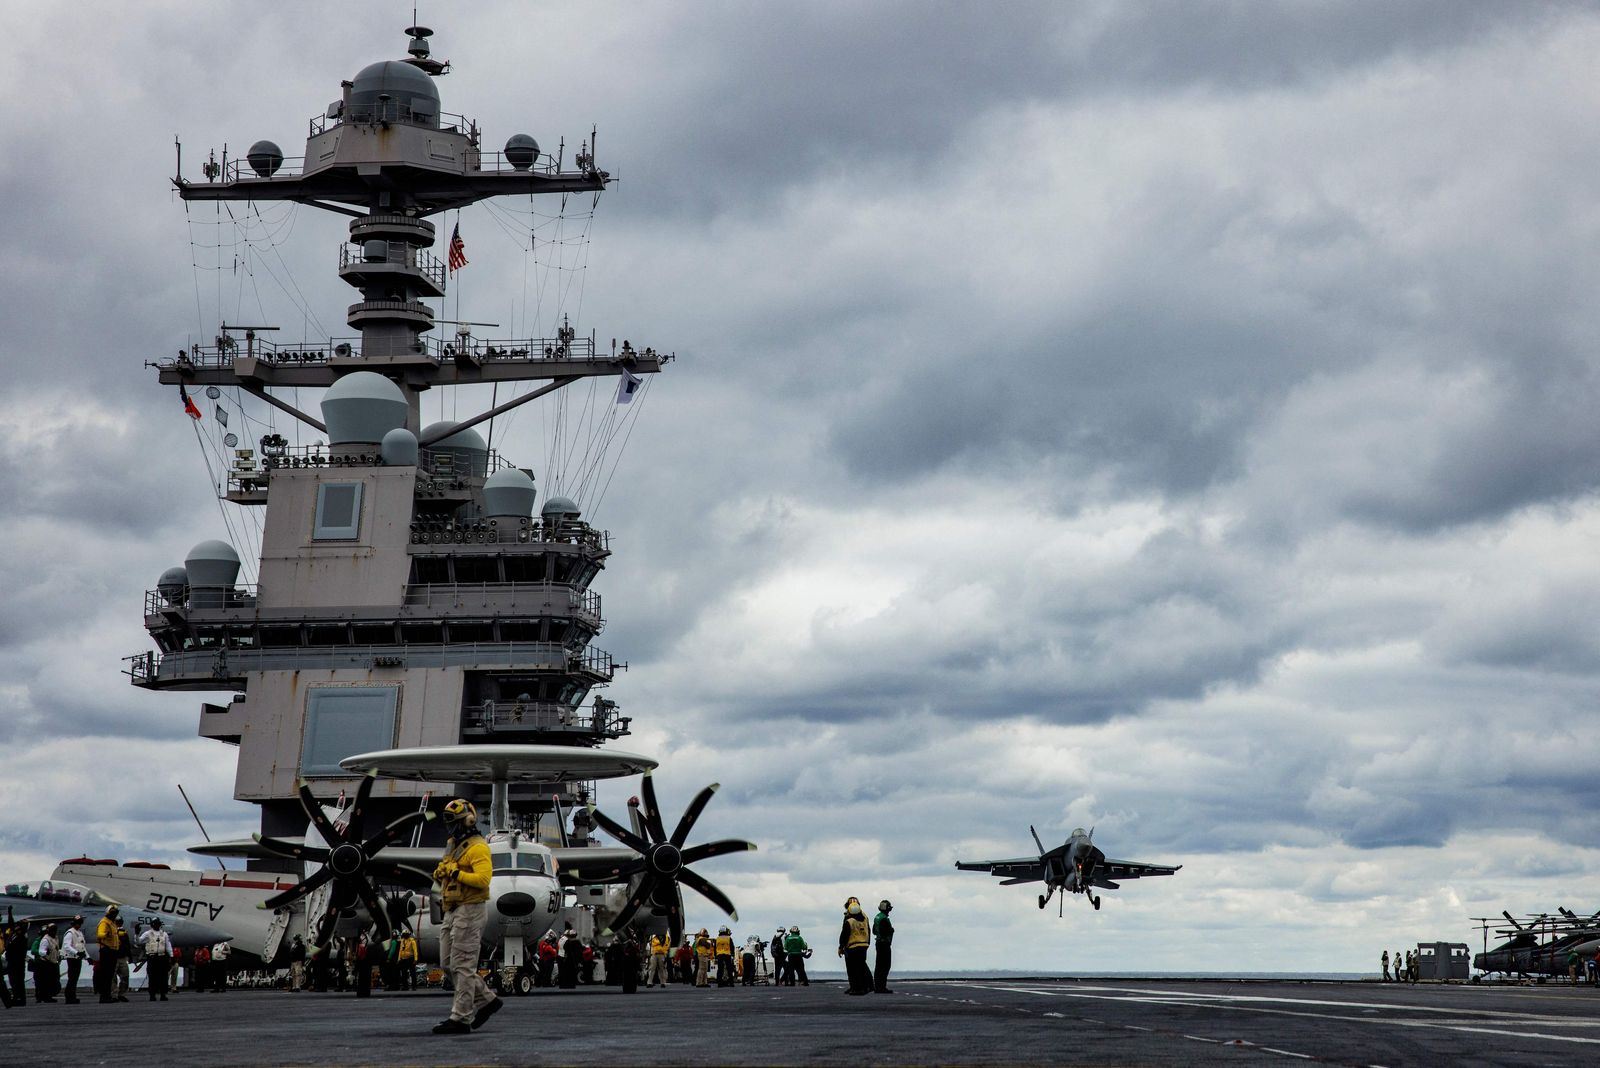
<point x="519" y="862"/>
<point x="1078" y="832"/>
<point x="56" y="890"/>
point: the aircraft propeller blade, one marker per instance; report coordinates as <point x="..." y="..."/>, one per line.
<point x="358" y="809"/>
<point x="391" y="834"/>
<point x="639" y="896"/>
<point x="716" y="849"/>
<point x="375" y="909"/>
<point x="318" y="818"/>
<point x="324" y="931"/>
<point x="680" y="833"/>
<point x="652" y="810"/>
<point x="295" y="893"/>
<point x="675" y="918"/>
<point x="619" y="832"/>
<point x="290" y="849"/>
<point x="708" y="891"/>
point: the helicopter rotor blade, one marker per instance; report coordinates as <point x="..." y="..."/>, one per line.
<point x="680" y="833"/>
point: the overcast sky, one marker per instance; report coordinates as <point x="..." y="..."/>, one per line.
<point x="1176" y="419"/>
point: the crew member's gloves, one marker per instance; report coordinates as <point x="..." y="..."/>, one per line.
<point x="446" y="870"/>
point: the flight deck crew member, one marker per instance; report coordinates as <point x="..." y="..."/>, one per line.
<point x="780" y="959"/>
<point x="16" y="953"/>
<point x="854" y="937"/>
<point x="74" y="948"/>
<point x="724" y="951"/>
<point x="1386" y="965"/>
<point x="407" y="958"/>
<point x="219" y="967"/>
<point x="747" y="961"/>
<point x="463" y="878"/>
<point x="702" y="957"/>
<point x="795" y="948"/>
<point x="157" y="959"/>
<point x="47" y="966"/>
<point x="657" y="975"/>
<point x="105" y="971"/>
<point x="883" y="938"/>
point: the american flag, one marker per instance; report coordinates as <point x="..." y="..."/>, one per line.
<point x="458" y="250"/>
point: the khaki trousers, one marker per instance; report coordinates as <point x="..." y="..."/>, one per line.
<point x="460" y="942"/>
<point x="658" y="969"/>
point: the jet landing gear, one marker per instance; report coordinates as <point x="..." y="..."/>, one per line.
<point x="1044" y="898"/>
<point x="1095" y="902"/>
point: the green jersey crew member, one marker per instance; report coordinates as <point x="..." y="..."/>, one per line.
<point x="463" y="878"/>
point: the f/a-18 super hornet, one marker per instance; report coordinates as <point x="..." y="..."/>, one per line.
<point x="1076" y="866"/>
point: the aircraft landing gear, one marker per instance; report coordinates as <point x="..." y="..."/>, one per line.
<point x="1042" y="900"/>
<point x="1095" y="902"/>
<point x="523" y="984"/>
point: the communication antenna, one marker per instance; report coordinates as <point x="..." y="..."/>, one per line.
<point x="197" y="822"/>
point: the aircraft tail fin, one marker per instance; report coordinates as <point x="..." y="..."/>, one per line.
<point x="1036" y="839"/>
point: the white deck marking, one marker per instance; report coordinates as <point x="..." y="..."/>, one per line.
<point x="1260" y="1004"/>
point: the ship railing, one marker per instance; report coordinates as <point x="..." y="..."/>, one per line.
<point x="493" y="717"/>
<point x="440" y="595"/>
<point x="222" y="354"/>
<point x="230" y="662"/>
<point x="492" y="532"/>
<point x="240" y="169"/>
<point x="225" y="351"/>
<point x="437" y="463"/>
<point x="422" y="261"/>
<point x="394" y="111"/>
<point x="242" y="595"/>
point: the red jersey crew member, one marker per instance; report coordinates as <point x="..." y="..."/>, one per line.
<point x="463" y="878"/>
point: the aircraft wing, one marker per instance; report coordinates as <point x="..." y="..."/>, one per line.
<point x="582" y="865"/>
<point x="1131" y="869"/>
<point x="1020" y="870"/>
<point x="247" y="848"/>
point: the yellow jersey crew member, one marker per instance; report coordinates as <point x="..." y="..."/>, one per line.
<point x="724" y="951"/>
<point x="659" y="947"/>
<point x="854" y="937"/>
<point x="463" y="878"/>
<point x="110" y="941"/>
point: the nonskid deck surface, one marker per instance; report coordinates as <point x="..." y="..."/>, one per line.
<point x="992" y="1022"/>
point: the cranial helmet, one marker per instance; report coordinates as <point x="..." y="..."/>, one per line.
<point x="853" y="906"/>
<point x="884" y="906"/>
<point x="112" y="911"/>
<point x="460" y="814"/>
<point x="723" y="930"/>
<point x="794" y="930"/>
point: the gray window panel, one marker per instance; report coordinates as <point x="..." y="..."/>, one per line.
<point x="342" y="721"/>
<point x="338" y="512"/>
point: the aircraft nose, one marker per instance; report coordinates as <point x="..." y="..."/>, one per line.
<point x="515" y="903"/>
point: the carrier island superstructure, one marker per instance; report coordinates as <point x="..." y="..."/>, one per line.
<point x="410" y="592"/>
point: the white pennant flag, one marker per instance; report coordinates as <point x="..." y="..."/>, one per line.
<point x="628" y="386"/>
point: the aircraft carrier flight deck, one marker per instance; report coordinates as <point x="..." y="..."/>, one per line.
<point x="925" y="1022"/>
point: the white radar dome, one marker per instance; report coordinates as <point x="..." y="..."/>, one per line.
<point x="560" y="508"/>
<point x="467" y="447"/>
<point x="212" y="564"/>
<point x="399" y="448"/>
<point x="362" y="407"/>
<point x="509" y="492"/>
<point x="171" y="584"/>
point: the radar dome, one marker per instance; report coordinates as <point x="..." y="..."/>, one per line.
<point x="467" y="447"/>
<point x="362" y="407"/>
<point x="399" y="448"/>
<point x="171" y="584"/>
<point x="521" y="151"/>
<point x="211" y="564"/>
<point x="264" y="158"/>
<point x="560" y="508"/>
<point x="509" y="492"/>
<point x="408" y="92"/>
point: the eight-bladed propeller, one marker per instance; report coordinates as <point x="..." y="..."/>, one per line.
<point x="664" y="860"/>
<point x="347" y="862"/>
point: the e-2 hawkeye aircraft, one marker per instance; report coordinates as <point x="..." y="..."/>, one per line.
<point x="1076" y="866"/>
<point x="534" y="886"/>
<point x="58" y="902"/>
